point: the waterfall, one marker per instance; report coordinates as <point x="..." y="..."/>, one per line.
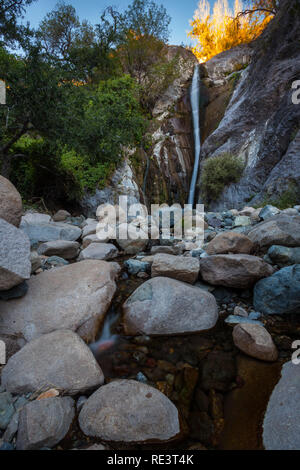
<point x="195" y="98"/>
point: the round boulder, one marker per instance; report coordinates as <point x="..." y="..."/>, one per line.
<point x="255" y="341"/>
<point x="230" y="242"/>
<point x="129" y="411"/>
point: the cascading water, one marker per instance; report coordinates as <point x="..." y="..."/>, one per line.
<point x="195" y="98"/>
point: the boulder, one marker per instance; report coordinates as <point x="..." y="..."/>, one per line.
<point x="182" y="268"/>
<point x="280" y="293"/>
<point x="100" y="251"/>
<point x="15" y="265"/>
<point x="74" y="297"/>
<point x="135" y="266"/>
<point x="238" y="271"/>
<point x="268" y="211"/>
<point x="61" y="216"/>
<point x="44" y="423"/>
<point x="284" y="255"/>
<point x="90" y="228"/>
<point x="59" y="359"/>
<point x="52" y="231"/>
<point x="129" y="411"/>
<point x="10" y="203"/>
<point x="281" y="427"/>
<point x="93" y="238"/>
<point x="35" y="218"/>
<point x="168" y="250"/>
<point x="163" y="306"/>
<point x="279" y="230"/>
<point x="63" y="248"/>
<point x="255" y="341"/>
<point x="241" y="221"/>
<point x="230" y="242"/>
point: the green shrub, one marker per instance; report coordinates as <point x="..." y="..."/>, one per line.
<point x="219" y="172"/>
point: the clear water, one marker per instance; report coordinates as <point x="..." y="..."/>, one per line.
<point x="195" y="104"/>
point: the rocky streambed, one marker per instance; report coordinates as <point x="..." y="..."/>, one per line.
<point x="134" y="344"/>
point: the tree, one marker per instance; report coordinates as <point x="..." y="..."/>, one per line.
<point x="10" y="12"/>
<point x="266" y="7"/>
<point x="224" y="28"/>
<point x="36" y="100"/>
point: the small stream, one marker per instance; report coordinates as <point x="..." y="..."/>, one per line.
<point x="220" y="393"/>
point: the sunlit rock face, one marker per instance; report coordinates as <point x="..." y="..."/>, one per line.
<point x="261" y="123"/>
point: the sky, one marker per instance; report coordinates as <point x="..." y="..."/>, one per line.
<point x="181" y="11"/>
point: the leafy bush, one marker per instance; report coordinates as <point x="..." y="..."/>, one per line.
<point x="219" y="172"/>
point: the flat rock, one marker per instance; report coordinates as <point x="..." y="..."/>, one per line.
<point x="163" y="306"/>
<point x="281" y="427"/>
<point x="44" y="423"/>
<point x="255" y="341"/>
<point x="279" y="230"/>
<point x="10" y="202"/>
<point x="58" y="360"/>
<point x="63" y="248"/>
<point x="129" y="411"/>
<point x="280" y="293"/>
<point x="99" y="251"/>
<point x="238" y="271"/>
<point x="74" y="297"/>
<point x="177" y="267"/>
<point x="230" y="242"/>
<point x="15" y="265"/>
<point x="52" y="231"/>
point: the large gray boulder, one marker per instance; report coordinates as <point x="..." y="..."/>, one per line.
<point x="63" y="248"/>
<point x="44" y="423"/>
<point x="279" y="230"/>
<point x="51" y="231"/>
<point x="280" y="293"/>
<point x="15" y="265"/>
<point x="281" y="427"/>
<point x="129" y="411"/>
<point x="163" y="306"/>
<point x="238" y="271"/>
<point x="182" y="268"/>
<point x="58" y="360"/>
<point x="74" y="297"/>
<point x="10" y="202"/>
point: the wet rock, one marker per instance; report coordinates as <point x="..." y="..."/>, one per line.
<point x="129" y="411"/>
<point x="61" y="216"/>
<point x="218" y="371"/>
<point x="7" y="409"/>
<point x="15" y="293"/>
<point x="279" y="230"/>
<point x="281" y="427"/>
<point x="62" y="248"/>
<point x="52" y="231"/>
<point x="166" y="306"/>
<point x="268" y="211"/>
<point x="255" y="341"/>
<point x="99" y="251"/>
<point x="177" y="267"/>
<point x="10" y="202"/>
<point x="280" y="293"/>
<point x="15" y="266"/>
<point x="238" y="271"/>
<point x="74" y="297"/>
<point x="134" y="266"/>
<point x="59" y="359"/>
<point x="283" y="255"/>
<point x="44" y="423"/>
<point x="230" y="242"/>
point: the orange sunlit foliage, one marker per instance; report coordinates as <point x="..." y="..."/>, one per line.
<point x="222" y="30"/>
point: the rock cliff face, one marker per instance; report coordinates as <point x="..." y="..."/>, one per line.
<point x="261" y="124"/>
<point x="162" y="173"/>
